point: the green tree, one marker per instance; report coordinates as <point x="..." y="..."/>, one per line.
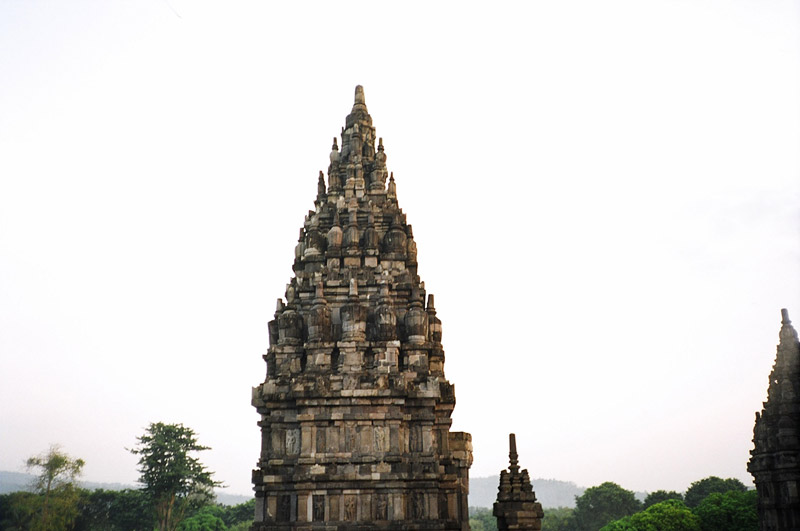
<point x="669" y="515"/>
<point x="241" y="513"/>
<point x="208" y="518"/>
<point x="698" y="490"/>
<point x="174" y="480"/>
<point x="602" y="504"/>
<point x="57" y="503"/>
<point x="558" y="519"/>
<point x="482" y="519"/>
<point x="115" y="510"/>
<point x="659" y="496"/>
<point x="17" y="510"/>
<point x="729" y="510"/>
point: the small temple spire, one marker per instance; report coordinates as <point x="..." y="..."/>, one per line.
<point x="516" y="507"/>
<point x="321" y="186"/>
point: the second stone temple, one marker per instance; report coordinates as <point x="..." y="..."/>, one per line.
<point x="355" y="410"/>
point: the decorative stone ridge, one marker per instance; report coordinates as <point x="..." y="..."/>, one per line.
<point x="355" y="410"/>
<point x="516" y="506"/>
<point x="775" y="459"/>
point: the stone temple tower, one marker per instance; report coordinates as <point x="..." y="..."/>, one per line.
<point x="355" y="410"/>
<point x="775" y="461"/>
<point x="516" y="507"/>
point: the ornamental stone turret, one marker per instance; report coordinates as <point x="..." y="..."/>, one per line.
<point x="355" y="409"/>
<point x="516" y="506"/>
<point x="775" y="458"/>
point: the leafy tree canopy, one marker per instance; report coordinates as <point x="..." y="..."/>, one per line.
<point x="209" y="518"/>
<point x="241" y="513"/>
<point x="729" y="510"/>
<point x="55" y="469"/>
<point x="698" y="490"/>
<point x="669" y="515"/>
<point x="558" y="519"/>
<point x="482" y="519"/>
<point x="659" y="496"/>
<point x="115" y="510"/>
<point x="17" y="510"/>
<point x="602" y="504"/>
<point x="56" y="506"/>
<point x="172" y="477"/>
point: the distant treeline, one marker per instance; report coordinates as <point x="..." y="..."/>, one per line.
<point x="19" y="481"/>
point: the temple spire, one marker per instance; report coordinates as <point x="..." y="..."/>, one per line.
<point x="775" y="458"/>
<point x="359" y="99"/>
<point x="513" y="458"/>
<point x="355" y="367"/>
<point x="516" y="507"/>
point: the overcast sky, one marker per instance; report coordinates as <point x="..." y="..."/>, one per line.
<point x="605" y="198"/>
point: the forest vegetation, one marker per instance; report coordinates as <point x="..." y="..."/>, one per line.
<point x="709" y="504"/>
<point x="176" y="495"/>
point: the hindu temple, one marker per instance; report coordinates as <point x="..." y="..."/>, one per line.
<point x="775" y="459"/>
<point x="516" y="508"/>
<point x="355" y="408"/>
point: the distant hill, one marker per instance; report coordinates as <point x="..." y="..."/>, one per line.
<point x="549" y="492"/>
<point x="16" y="481"/>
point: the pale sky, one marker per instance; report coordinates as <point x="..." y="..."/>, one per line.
<point x="605" y="198"/>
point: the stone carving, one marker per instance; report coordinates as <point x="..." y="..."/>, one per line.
<point x="381" y="507"/>
<point x="319" y="319"/>
<point x="379" y="436"/>
<point x="385" y="318"/>
<point x="284" y="507"/>
<point x="415" y="439"/>
<point x="775" y="458"/>
<point x="292" y="442"/>
<point x="350" y="508"/>
<point x="355" y="365"/>
<point x="321" y="442"/>
<point x="318" y="508"/>
<point x="418" y="505"/>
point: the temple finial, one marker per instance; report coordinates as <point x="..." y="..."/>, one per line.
<point x="513" y="458"/>
<point x="787" y="335"/>
<point x="321" y="185"/>
<point x="359" y="95"/>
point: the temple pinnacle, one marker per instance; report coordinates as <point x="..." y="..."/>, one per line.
<point x="513" y="458"/>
